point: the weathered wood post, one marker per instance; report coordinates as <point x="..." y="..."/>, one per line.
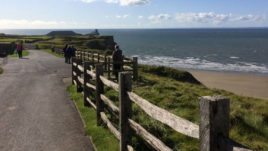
<point x="86" y="80"/>
<point x="73" y="69"/>
<point x="99" y="91"/>
<point x="105" y="62"/>
<point x="81" y="55"/>
<point x="79" y="74"/>
<point x="135" y="68"/>
<point x="125" y="85"/>
<point x="93" y="58"/>
<point x="88" y="56"/>
<point x="214" y="123"/>
<point x="84" y="54"/>
<point x="108" y="66"/>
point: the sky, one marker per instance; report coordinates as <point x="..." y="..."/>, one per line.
<point x="91" y="14"/>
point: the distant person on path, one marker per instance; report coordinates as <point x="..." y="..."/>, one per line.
<point x="69" y="53"/>
<point x="73" y="51"/>
<point x="117" y="61"/>
<point x="20" y="49"/>
<point x="65" y="52"/>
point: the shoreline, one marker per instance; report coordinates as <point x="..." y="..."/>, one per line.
<point x="240" y="83"/>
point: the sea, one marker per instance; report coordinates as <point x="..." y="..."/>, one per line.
<point x="242" y="50"/>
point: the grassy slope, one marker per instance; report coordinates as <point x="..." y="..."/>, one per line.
<point x="1" y="70"/>
<point x="53" y="53"/>
<point x="248" y="121"/>
<point x="101" y="136"/>
<point x="24" y="54"/>
<point x="249" y="116"/>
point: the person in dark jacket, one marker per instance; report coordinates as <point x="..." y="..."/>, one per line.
<point x="65" y="52"/>
<point x="117" y="61"/>
<point x="69" y="53"/>
<point x="73" y="51"/>
<point x="20" y="49"/>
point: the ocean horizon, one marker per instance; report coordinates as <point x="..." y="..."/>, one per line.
<point x="215" y="49"/>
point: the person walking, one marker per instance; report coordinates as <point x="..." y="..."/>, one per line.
<point x="65" y="52"/>
<point x="69" y="54"/>
<point x="73" y="52"/>
<point x="20" y="49"/>
<point x="117" y="61"/>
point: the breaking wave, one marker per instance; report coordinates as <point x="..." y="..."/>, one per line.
<point x="197" y="63"/>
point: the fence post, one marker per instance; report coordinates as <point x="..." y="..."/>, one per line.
<point x="125" y="85"/>
<point x="105" y="62"/>
<point x="214" y="123"/>
<point x="79" y="74"/>
<point x="73" y="69"/>
<point x="99" y="91"/>
<point x="88" y="56"/>
<point x="86" y="80"/>
<point x="135" y="68"/>
<point x="93" y="58"/>
<point x="108" y="66"/>
<point x="98" y="57"/>
<point x="81" y="55"/>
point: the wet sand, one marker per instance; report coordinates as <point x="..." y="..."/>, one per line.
<point x="244" y="84"/>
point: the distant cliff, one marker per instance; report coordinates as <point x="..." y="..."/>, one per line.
<point x="100" y="42"/>
<point x="63" y="33"/>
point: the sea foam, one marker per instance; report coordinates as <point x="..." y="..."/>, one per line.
<point x="197" y="63"/>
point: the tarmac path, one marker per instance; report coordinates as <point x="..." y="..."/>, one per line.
<point x="36" y="113"/>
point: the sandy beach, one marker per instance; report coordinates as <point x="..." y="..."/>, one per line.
<point x="244" y="84"/>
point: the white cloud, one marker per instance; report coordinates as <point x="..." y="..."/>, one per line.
<point x="111" y="1"/>
<point x="121" y="2"/>
<point x="122" y="16"/>
<point x="214" y="18"/>
<point x="159" y="18"/>
<point x="88" y="1"/>
<point x="209" y="17"/>
<point x="133" y="2"/>
<point x="140" y="17"/>
<point x="250" y="17"/>
<point x="42" y="24"/>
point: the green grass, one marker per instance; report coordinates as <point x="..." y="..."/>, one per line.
<point x="24" y="54"/>
<point x="248" y="116"/>
<point x="1" y="70"/>
<point x="53" y="53"/>
<point x="102" y="137"/>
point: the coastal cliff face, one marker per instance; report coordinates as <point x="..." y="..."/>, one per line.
<point x="82" y="42"/>
<point x="100" y="42"/>
<point x="63" y="33"/>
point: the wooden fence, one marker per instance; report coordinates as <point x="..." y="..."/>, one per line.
<point x="213" y="131"/>
<point x="128" y="64"/>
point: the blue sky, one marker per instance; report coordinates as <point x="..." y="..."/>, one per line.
<point x="132" y="13"/>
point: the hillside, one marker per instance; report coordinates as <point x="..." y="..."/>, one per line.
<point x="63" y="33"/>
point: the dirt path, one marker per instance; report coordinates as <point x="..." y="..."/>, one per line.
<point x="36" y="113"/>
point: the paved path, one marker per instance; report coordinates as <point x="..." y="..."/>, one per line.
<point x="36" y="113"/>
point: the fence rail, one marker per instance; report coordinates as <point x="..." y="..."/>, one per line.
<point x="128" y="64"/>
<point x="213" y="131"/>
